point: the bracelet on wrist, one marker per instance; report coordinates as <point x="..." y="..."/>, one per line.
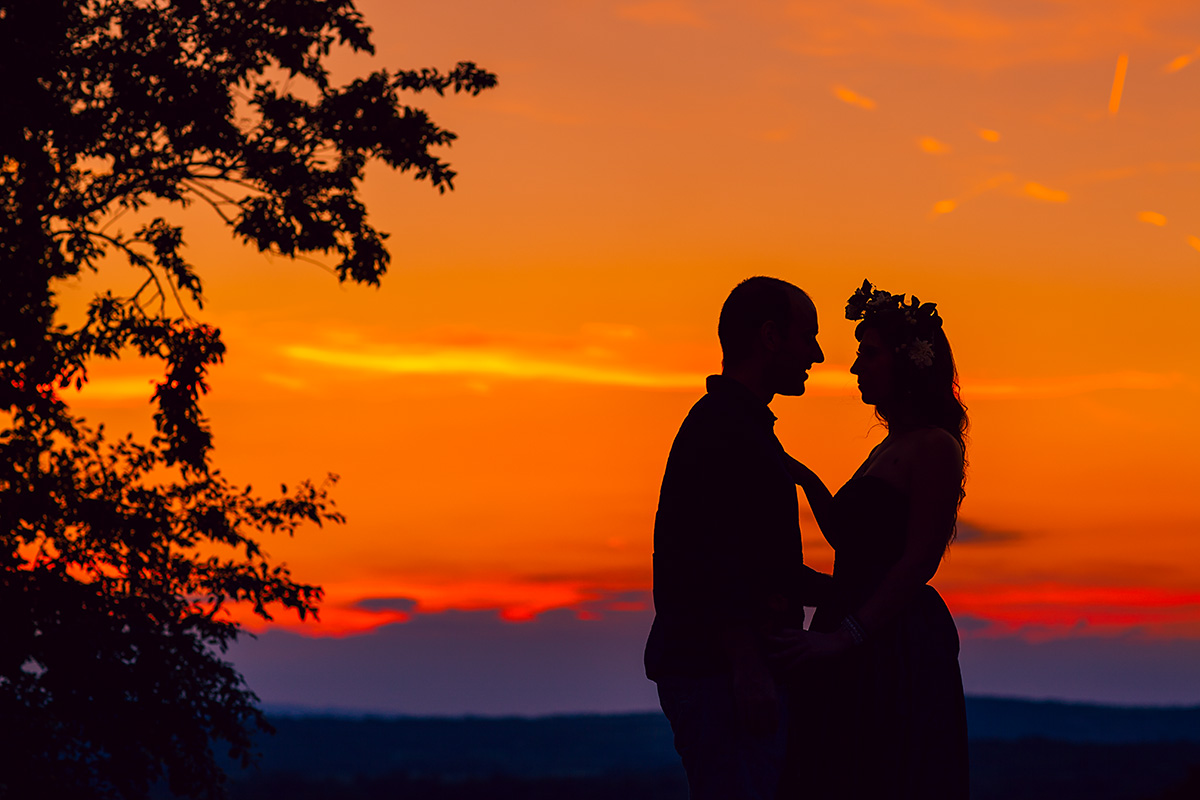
<point x="853" y="627"/>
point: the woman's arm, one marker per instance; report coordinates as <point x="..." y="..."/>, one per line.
<point x="935" y="479"/>
<point x="819" y="498"/>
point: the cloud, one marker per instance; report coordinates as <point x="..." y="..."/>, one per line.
<point x="873" y="27"/>
<point x="1040" y="192"/>
<point x="1134" y="171"/>
<point x="776" y="135"/>
<point x="402" y="604"/>
<point x="1179" y="62"/>
<point x="932" y="146"/>
<point x="982" y="187"/>
<point x="621" y="602"/>
<point x="1126" y="669"/>
<point x="584" y="365"/>
<point x="285" y="381"/>
<point x="609" y="330"/>
<point x="975" y="534"/>
<point x="1076" y="384"/>
<point x="351" y="609"/>
<point x="491" y="362"/>
<point x="1152" y="218"/>
<point x="115" y="389"/>
<point x="459" y="663"/>
<point x="577" y="362"/>
<point x="1053" y="610"/>
<point x="663" y="12"/>
<point x="1114" y="98"/>
<point x="944" y="206"/>
<point x="851" y="97"/>
<point x="987" y="35"/>
<point x="537" y="112"/>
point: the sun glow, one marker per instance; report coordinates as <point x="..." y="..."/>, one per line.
<point x="492" y="363"/>
<point x="501" y="409"/>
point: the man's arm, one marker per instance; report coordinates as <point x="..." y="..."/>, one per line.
<point x="812" y="587"/>
<point x="730" y="515"/>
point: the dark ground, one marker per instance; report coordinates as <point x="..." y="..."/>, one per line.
<point x="1019" y="749"/>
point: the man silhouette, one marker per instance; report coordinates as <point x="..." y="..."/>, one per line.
<point x="728" y="565"/>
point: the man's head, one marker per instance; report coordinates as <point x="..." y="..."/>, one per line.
<point x="768" y="333"/>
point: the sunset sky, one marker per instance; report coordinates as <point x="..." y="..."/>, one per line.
<point x="500" y="411"/>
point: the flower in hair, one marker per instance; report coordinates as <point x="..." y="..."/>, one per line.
<point x="919" y="319"/>
<point x="856" y="306"/>
<point x="880" y="300"/>
<point x="918" y="313"/>
<point x="867" y="299"/>
<point x="921" y="353"/>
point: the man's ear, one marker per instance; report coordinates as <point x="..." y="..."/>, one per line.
<point x="770" y="337"/>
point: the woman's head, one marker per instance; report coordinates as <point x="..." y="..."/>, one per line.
<point x="910" y="380"/>
<point x="904" y="366"/>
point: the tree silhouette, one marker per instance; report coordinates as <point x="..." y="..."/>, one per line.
<point x="120" y="558"/>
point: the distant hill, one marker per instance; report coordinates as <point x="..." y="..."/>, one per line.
<point x="1006" y="718"/>
<point x="466" y="747"/>
<point x="1019" y="748"/>
<point x="988" y="718"/>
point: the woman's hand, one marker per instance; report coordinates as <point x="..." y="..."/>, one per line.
<point x="801" y="475"/>
<point x="793" y="647"/>
<point x="819" y="498"/>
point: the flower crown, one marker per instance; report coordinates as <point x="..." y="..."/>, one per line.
<point x="921" y="319"/>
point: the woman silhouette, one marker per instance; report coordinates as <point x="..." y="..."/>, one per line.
<point x="879" y="709"/>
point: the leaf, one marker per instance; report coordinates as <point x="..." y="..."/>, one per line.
<point x="122" y="106"/>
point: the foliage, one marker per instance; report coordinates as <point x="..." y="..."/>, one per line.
<point x="120" y="558"/>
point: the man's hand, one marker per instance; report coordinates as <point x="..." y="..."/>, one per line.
<point x="793" y="647"/>
<point x="756" y="700"/>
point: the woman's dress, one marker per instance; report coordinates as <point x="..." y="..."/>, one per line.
<point x="887" y="720"/>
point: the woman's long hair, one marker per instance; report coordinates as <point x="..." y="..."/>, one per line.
<point x="922" y="395"/>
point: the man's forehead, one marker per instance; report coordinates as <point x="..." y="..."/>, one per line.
<point x="803" y="309"/>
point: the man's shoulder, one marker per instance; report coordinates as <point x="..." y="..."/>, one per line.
<point x="711" y="415"/>
<point x="716" y="429"/>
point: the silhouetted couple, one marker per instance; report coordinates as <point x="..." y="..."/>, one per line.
<point x="868" y="702"/>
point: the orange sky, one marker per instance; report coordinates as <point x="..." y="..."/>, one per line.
<point x="501" y="410"/>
